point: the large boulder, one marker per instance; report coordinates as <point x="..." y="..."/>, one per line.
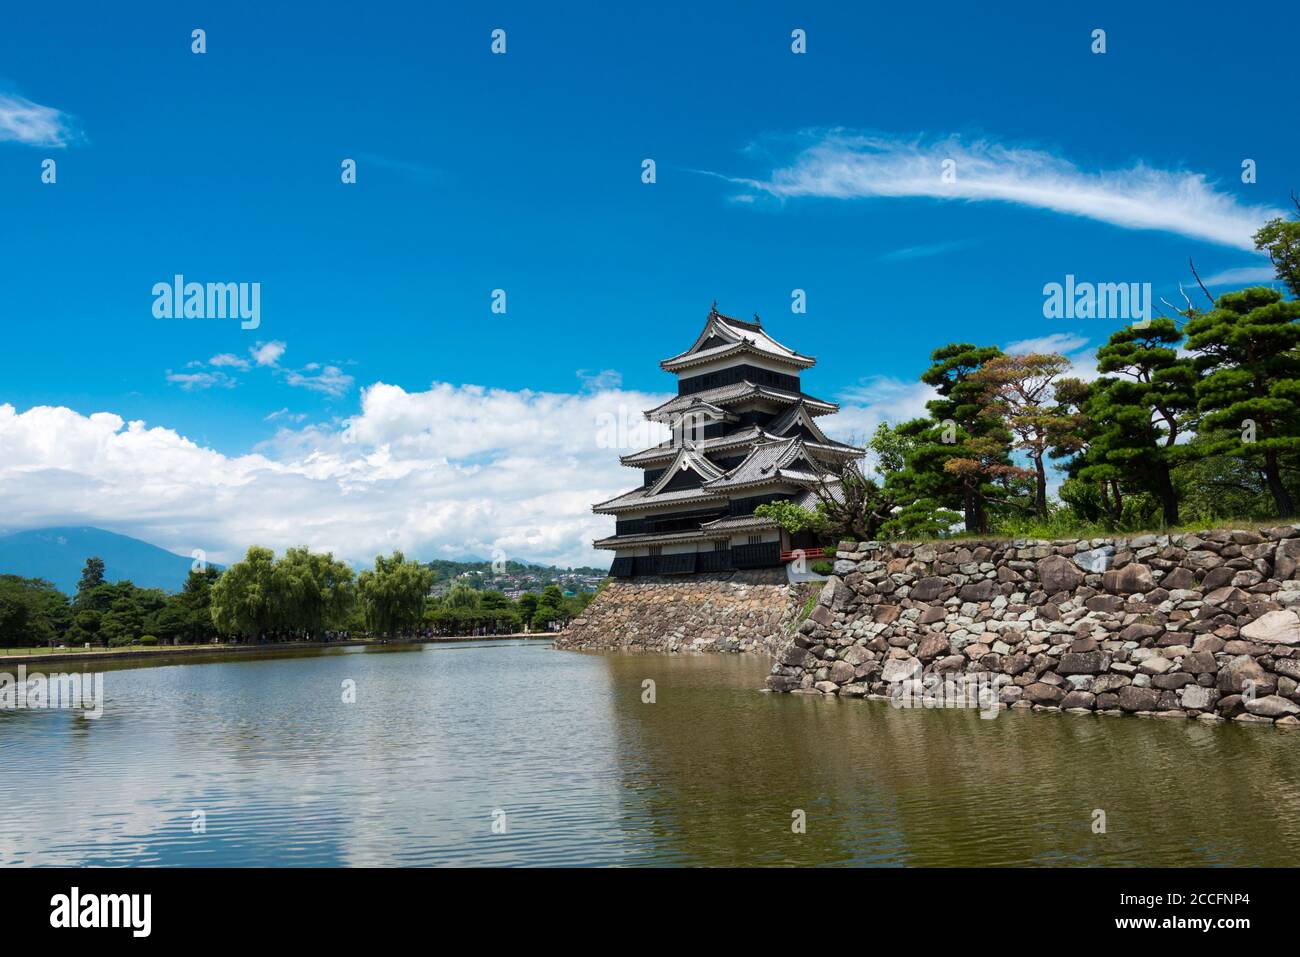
<point x="1240" y="673"/>
<point x="1083" y="663"/>
<point x="928" y="589"/>
<point x="932" y="646"/>
<point x="1272" y="706"/>
<point x="1128" y="580"/>
<point x="1057" y="573"/>
<point x="842" y="672"/>
<point x="1275" y="628"/>
<point x="1042" y="693"/>
<point x="900" y="669"/>
<point x="1133" y="698"/>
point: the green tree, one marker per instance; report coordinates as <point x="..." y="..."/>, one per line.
<point x="960" y="457"/>
<point x="393" y="593"/>
<point x="1247" y="351"/>
<point x="32" y="612"/>
<point x="1019" y="390"/>
<point x="92" y="576"/>
<point x="1280" y="238"/>
<point x="1139" y="414"/>
<point x="462" y="596"/>
<point x="311" y="592"/>
<point x="242" y="599"/>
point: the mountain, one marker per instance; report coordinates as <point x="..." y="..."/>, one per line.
<point x="59" y="554"/>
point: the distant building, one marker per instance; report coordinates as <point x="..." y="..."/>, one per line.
<point x="743" y="433"/>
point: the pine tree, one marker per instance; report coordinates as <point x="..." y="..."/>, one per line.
<point x="1139" y="414"/>
<point x="959" y="458"/>
<point x="1247" y="349"/>
<point x="92" y="576"/>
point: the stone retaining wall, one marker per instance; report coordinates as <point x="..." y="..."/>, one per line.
<point x="1199" y="625"/>
<point x="734" y="611"/>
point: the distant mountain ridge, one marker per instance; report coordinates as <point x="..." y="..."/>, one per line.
<point x="59" y="554"/>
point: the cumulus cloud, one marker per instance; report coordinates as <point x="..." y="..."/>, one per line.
<point x="22" y="121"/>
<point x="267" y="353"/>
<point x="1078" y="349"/>
<point x="449" y="471"/>
<point x="840" y="164"/>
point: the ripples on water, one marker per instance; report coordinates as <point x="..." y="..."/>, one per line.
<point x="441" y="736"/>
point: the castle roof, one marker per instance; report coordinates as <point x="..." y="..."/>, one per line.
<point x="730" y="395"/>
<point x="724" y="336"/>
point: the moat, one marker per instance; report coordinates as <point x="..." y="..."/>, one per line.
<point x="441" y="737"/>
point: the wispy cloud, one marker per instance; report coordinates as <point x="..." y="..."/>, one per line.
<point x="1076" y="348"/>
<point x="328" y="380"/>
<point x="22" y="121"/>
<point x="197" y="381"/>
<point x="840" y="164"/>
<point x="925" y="251"/>
<point x="419" y="171"/>
<point x="1241" y="276"/>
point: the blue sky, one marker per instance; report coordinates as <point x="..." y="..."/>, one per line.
<point x="775" y="171"/>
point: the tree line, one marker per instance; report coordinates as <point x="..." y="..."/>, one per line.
<point x="1194" y="417"/>
<point x="300" y="596"/>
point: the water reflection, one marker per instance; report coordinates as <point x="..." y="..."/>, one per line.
<point x="441" y="736"/>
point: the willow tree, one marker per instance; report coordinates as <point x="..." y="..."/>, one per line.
<point x="393" y="593"/>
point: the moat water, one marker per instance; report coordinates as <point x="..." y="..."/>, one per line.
<point x="510" y="753"/>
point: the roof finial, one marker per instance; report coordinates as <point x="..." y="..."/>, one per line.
<point x="757" y="321"/>
<point x="713" y="310"/>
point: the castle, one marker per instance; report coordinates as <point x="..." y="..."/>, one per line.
<point x="743" y="433"/>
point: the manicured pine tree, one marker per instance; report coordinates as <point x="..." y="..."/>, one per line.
<point x="1020" y="391"/>
<point x="1139" y="414"/>
<point x="1247" y="351"/>
<point x="959" y="457"/>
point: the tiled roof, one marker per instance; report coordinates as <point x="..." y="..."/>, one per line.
<point x="739" y="336"/>
<point x="739" y="391"/>
<point x="640" y="497"/>
<point x="770" y="461"/>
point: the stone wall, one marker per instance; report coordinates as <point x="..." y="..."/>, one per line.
<point x="1200" y="625"/>
<point x="733" y="611"/>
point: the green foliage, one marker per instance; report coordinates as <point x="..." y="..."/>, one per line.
<point x="148" y="640"/>
<point x="1250" y="393"/>
<point x="32" y="612"/>
<point x="1139" y="413"/>
<point x="1280" y="238"/>
<point x="393" y="594"/>
<point x="822" y="568"/>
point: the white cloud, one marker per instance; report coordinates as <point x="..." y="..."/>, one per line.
<point x="1062" y="342"/>
<point x="195" y="381"/>
<point x="1242" y="276"/>
<point x="874" y="400"/>
<point x="329" y="380"/>
<point x="1076" y="348"/>
<point x="445" y="472"/>
<point x="844" y="165"/>
<point x="267" y="353"/>
<point x="229" y="360"/>
<point x="22" y="121"/>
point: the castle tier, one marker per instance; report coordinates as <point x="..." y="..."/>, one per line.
<point x="743" y="433"/>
